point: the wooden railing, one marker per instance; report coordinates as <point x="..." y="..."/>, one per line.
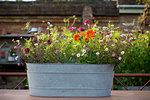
<point x="115" y="75"/>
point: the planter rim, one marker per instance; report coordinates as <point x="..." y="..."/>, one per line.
<point x="67" y="64"/>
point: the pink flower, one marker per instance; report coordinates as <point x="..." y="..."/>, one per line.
<point x="92" y="24"/>
<point x="113" y="54"/>
<point x="49" y="41"/>
<point x="27" y="50"/>
<point x="18" y="64"/>
<point x="105" y="34"/>
<point x="81" y="29"/>
<point x="86" y="22"/>
<point x="72" y="28"/>
<point x="88" y="49"/>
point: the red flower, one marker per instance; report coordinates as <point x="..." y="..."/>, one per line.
<point x="76" y="37"/>
<point x="49" y="41"/>
<point x="90" y="33"/>
<point x="86" y="39"/>
<point x="27" y="50"/>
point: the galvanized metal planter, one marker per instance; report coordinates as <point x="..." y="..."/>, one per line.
<point x="70" y="80"/>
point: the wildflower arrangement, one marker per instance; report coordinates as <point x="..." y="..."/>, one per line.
<point x="90" y="44"/>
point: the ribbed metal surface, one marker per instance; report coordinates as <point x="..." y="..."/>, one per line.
<point x="70" y="80"/>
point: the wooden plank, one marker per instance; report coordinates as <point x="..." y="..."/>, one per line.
<point x="115" y="95"/>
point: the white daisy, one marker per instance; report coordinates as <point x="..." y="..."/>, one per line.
<point x="107" y="36"/>
<point x="101" y="40"/>
<point x="16" y="57"/>
<point x="119" y="58"/>
<point x="124" y="42"/>
<point x="48" y="23"/>
<point x="13" y="54"/>
<point x="74" y="45"/>
<point x="47" y="28"/>
<point x="106" y="49"/>
<point x="17" y="41"/>
<point x="35" y="33"/>
<point x="112" y="45"/>
<point x="15" y="47"/>
<point x="97" y="53"/>
<point x="36" y="44"/>
<point x="122" y="52"/>
<point x="78" y="55"/>
<point x="112" y="25"/>
<point x="131" y="38"/>
<point x="83" y="50"/>
<point x="82" y="54"/>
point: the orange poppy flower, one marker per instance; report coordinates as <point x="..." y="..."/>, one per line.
<point x="76" y="37"/>
<point x="82" y="34"/>
<point x="90" y="33"/>
<point x="86" y="39"/>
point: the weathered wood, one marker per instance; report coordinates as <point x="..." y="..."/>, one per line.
<point x="115" y="95"/>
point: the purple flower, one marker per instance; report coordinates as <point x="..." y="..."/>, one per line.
<point x="73" y="50"/>
<point x="27" y="50"/>
<point x="40" y="40"/>
<point x="110" y="40"/>
<point x="19" y="48"/>
<point x="87" y="45"/>
<point x="123" y="38"/>
<point x="56" y="51"/>
<point x="50" y="34"/>
<point x="34" y="38"/>
<point x="70" y="42"/>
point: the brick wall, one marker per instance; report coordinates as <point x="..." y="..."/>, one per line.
<point x="14" y="15"/>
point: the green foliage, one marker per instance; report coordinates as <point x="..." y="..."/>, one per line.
<point x="137" y="61"/>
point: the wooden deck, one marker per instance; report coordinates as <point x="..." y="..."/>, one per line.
<point x="115" y="95"/>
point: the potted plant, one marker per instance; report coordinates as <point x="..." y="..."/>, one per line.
<point x="76" y="62"/>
